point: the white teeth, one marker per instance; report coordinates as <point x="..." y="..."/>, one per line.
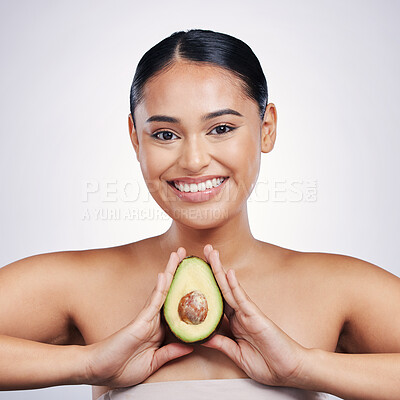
<point x="198" y="187"/>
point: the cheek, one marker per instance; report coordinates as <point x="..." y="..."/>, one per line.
<point x="152" y="162"/>
<point x="245" y="157"/>
<point x="151" y="166"/>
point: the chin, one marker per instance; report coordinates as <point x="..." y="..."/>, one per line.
<point x="200" y="219"/>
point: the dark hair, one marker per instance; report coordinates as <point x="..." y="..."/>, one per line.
<point x="200" y="45"/>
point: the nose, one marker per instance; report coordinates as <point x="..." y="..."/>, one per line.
<point x="195" y="154"/>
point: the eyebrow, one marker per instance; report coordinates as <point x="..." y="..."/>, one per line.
<point x="214" y="114"/>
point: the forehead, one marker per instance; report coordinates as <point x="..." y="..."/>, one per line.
<point x="193" y="88"/>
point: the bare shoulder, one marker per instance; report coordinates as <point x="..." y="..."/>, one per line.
<point x="65" y="267"/>
<point x="368" y="294"/>
<point x="356" y="277"/>
<point x="39" y="294"/>
<point x="34" y="298"/>
<point x="350" y="270"/>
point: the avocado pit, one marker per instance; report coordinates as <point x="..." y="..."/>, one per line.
<point x="193" y="308"/>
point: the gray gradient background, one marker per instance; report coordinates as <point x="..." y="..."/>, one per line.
<point x="66" y="69"/>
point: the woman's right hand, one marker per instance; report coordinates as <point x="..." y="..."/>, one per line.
<point x="133" y="353"/>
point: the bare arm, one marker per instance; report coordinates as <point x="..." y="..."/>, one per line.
<point x="351" y="376"/>
<point x="372" y="326"/>
<point x="26" y="364"/>
<point x="35" y="324"/>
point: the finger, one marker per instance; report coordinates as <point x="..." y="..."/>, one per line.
<point x="241" y="297"/>
<point x="168" y="353"/>
<point x="220" y="276"/>
<point x="159" y="293"/>
<point x="227" y="346"/>
<point x="207" y="249"/>
<point x="181" y="253"/>
<point x="155" y="300"/>
<point x="174" y="260"/>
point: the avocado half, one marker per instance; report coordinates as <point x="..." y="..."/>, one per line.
<point x="194" y="306"/>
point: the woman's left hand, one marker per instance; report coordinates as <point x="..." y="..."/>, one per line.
<point x="261" y="349"/>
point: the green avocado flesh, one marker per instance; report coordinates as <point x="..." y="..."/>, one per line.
<point x="193" y="307"/>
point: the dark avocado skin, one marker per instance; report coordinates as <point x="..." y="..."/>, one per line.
<point x="165" y="323"/>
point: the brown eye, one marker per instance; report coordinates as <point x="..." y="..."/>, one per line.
<point x="164" y="135"/>
<point x="221" y="129"/>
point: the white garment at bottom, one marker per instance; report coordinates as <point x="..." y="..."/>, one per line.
<point x="219" y="389"/>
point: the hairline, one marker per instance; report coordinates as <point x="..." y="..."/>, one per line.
<point x="232" y="75"/>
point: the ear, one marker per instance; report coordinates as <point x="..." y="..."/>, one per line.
<point x="133" y="136"/>
<point x="268" y="129"/>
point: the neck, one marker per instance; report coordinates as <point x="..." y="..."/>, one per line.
<point x="232" y="239"/>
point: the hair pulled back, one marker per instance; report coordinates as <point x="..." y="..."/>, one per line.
<point x="207" y="46"/>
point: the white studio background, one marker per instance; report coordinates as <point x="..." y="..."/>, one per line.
<point x="69" y="176"/>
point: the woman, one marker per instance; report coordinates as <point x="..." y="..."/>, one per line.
<point x="199" y="121"/>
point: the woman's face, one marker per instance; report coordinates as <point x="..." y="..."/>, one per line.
<point x="199" y="139"/>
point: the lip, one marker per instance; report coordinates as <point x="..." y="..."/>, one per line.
<point x="198" y="197"/>
<point x="199" y="179"/>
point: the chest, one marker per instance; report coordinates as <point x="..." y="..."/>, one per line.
<point x="301" y="306"/>
<point x="297" y="301"/>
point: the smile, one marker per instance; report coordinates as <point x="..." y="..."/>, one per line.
<point x="198" y="190"/>
<point x="198" y="187"/>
